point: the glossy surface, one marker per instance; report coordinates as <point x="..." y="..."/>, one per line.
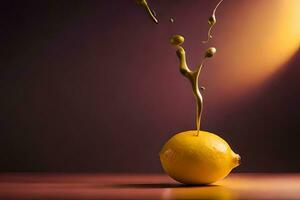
<point x="124" y="186"/>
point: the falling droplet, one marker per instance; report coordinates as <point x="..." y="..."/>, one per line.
<point x="177" y="40"/>
<point x="210" y="52"/>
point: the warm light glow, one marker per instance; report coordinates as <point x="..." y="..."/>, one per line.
<point x="257" y="37"/>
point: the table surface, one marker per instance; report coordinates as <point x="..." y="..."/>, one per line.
<point x="145" y="186"/>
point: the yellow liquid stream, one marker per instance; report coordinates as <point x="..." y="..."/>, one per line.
<point x="193" y="76"/>
<point x="151" y="13"/>
<point x="212" y="21"/>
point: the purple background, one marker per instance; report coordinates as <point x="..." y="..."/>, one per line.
<point x="94" y="86"/>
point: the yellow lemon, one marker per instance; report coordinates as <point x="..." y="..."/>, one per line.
<point x="197" y="159"/>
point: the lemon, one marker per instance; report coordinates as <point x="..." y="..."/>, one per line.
<point x="192" y="158"/>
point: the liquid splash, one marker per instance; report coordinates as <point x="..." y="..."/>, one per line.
<point x="150" y="11"/>
<point x="212" y="21"/>
<point x="192" y="75"/>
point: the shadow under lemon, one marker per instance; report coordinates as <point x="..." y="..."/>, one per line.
<point x="209" y="192"/>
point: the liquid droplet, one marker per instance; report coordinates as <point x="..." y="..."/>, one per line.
<point x="210" y="52"/>
<point x="177" y="40"/>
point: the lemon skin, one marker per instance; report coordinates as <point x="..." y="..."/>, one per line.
<point x="192" y="158"/>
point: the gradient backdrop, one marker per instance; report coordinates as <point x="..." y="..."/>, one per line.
<point x="94" y="85"/>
